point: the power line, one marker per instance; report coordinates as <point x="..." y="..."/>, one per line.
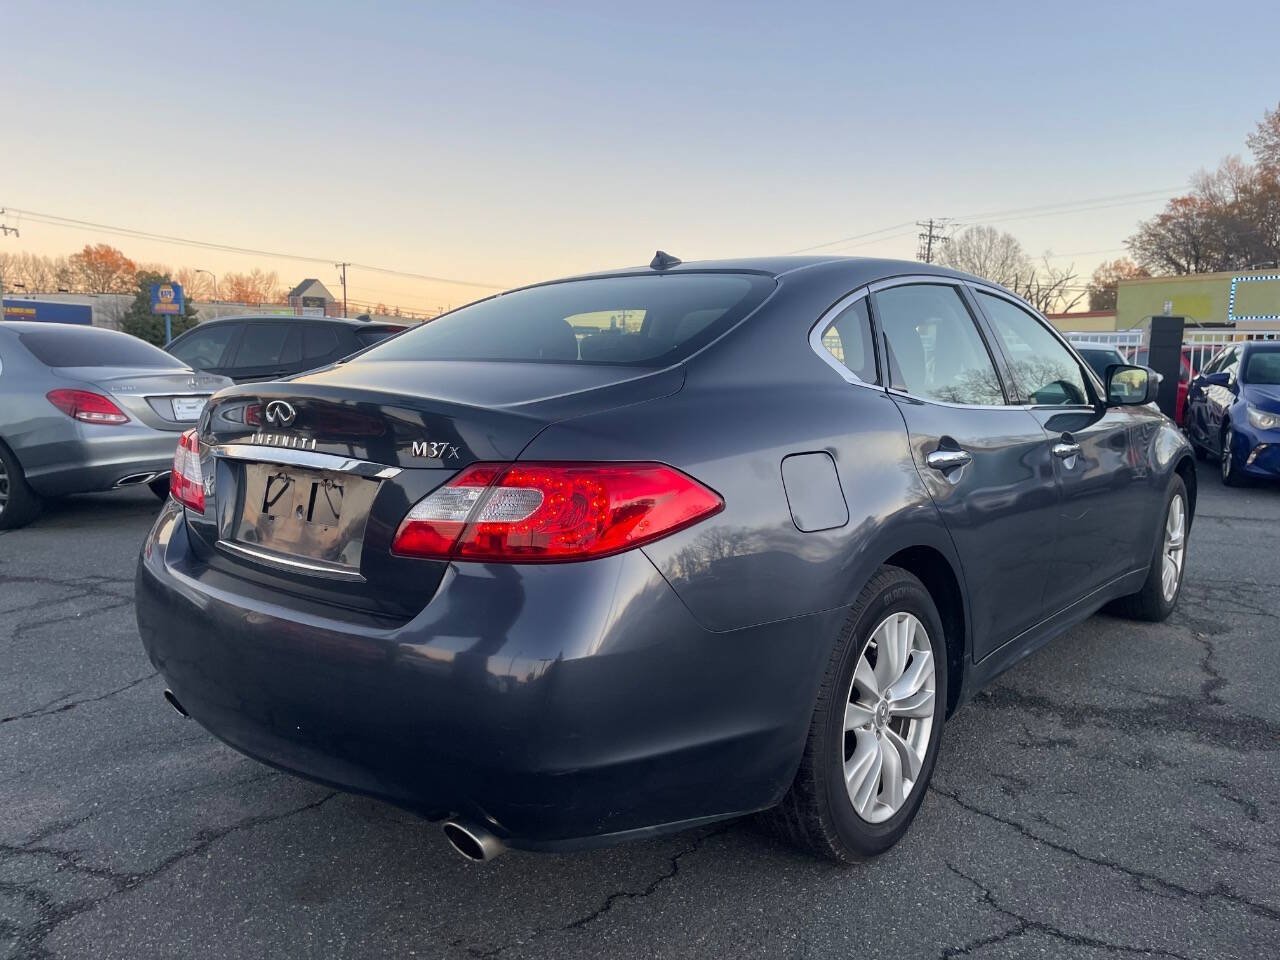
<point x="53" y="220"/>
<point x="1050" y="209"/>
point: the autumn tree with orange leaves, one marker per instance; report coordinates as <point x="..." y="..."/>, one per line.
<point x="101" y="268"/>
<point x="1103" y="285"/>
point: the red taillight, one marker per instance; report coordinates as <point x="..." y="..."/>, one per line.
<point x="186" y="482"/>
<point x="547" y="512"/>
<point x="87" y="407"/>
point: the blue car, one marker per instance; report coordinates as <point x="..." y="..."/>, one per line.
<point x="1233" y="411"/>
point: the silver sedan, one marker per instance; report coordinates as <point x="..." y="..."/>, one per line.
<point x="85" y="409"/>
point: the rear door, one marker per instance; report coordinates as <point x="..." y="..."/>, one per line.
<point x="1098" y="453"/>
<point x="985" y="462"/>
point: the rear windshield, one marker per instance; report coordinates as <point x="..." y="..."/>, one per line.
<point x="1263" y="367"/>
<point x="646" y="320"/>
<point x="67" y="346"/>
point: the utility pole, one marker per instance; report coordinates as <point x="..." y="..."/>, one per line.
<point x="5" y="230"/>
<point x="932" y="236"/>
<point x="343" y="268"/>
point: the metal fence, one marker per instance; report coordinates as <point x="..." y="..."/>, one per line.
<point x="1198" y="346"/>
<point x="1115" y="338"/>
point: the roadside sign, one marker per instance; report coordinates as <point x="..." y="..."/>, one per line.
<point x="166" y="298"/>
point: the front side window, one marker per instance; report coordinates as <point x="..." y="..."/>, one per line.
<point x="204" y="348"/>
<point x="848" y="339"/>
<point x="933" y="346"/>
<point x="1044" y="371"/>
<point x="637" y="320"/>
<point x="1231" y="364"/>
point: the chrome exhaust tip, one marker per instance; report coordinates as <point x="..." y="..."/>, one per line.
<point x="472" y="841"/>
<point x="173" y="702"/>
<point x="135" y="479"/>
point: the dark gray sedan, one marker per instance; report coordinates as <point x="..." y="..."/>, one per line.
<point x="622" y="554"/>
<point x="84" y="409"/>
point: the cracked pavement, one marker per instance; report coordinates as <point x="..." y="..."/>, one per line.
<point x="1116" y="794"/>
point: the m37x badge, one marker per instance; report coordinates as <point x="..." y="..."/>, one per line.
<point x="434" y="450"/>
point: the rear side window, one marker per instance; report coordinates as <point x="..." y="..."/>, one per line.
<point x="848" y="339"/>
<point x="934" y="349"/>
<point x="318" y="342"/>
<point x="645" y="320"/>
<point x="264" y="345"/>
<point x="67" y="346"/>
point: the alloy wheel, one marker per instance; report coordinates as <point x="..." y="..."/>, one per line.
<point x="4" y="486"/>
<point x="1175" y="547"/>
<point x="1228" y="442"/>
<point x="888" y="717"/>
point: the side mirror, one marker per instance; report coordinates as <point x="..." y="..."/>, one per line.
<point x="1131" y="386"/>
<point x="1221" y="379"/>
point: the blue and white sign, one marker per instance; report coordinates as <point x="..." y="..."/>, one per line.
<point x="167" y="298"/>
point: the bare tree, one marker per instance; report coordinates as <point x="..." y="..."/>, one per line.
<point x="1048" y="288"/>
<point x="988" y="253"/>
<point x="1265" y="141"/>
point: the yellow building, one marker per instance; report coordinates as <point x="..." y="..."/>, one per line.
<point x="1247" y="300"/>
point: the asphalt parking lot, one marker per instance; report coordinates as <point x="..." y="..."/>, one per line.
<point x="1117" y="793"/>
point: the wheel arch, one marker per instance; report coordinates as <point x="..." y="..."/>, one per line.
<point x="935" y="570"/>
<point x="1186" y="469"/>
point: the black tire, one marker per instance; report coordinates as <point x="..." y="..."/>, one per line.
<point x="21" y="504"/>
<point x="816" y="814"/>
<point x="1150" y="603"/>
<point x="160" y="487"/>
<point x="1227" y="462"/>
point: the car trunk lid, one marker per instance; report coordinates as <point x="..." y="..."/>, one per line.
<point x="307" y="480"/>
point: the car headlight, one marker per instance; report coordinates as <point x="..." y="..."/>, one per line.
<point x="1263" y="420"/>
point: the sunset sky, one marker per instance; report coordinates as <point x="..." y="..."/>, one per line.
<point x="504" y="143"/>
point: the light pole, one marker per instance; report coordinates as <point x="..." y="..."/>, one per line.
<point x="215" y="281"/>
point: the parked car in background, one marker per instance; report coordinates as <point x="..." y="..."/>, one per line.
<point x="560" y="583"/>
<point x="267" y="348"/>
<point x="1233" y="411"/>
<point x="85" y="409"/>
<point x="1186" y="372"/>
<point x="1099" y="356"/>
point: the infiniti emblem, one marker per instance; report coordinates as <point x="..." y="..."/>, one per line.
<point x="280" y="413"/>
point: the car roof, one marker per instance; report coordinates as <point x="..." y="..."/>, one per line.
<point x="32" y="326"/>
<point x="341" y="321"/>
<point x="860" y="269"/>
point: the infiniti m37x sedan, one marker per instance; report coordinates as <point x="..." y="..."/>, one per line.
<point x="618" y="555"/>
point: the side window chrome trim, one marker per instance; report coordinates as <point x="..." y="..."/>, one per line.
<point x="959" y="406"/>
<point x="825" y="355"/>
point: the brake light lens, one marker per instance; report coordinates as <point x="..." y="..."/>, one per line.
<point x="86" y="407"/>
<point x="186" y="482"/>
<point x="552" y="512"/>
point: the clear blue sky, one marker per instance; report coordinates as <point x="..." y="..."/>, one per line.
<point x="509" y="142"/>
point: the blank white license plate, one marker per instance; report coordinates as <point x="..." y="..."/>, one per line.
<point x="188" y="408"/>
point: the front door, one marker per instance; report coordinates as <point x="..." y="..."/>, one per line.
<point x="1098" y="454"/>
<point x="985" y="463"/>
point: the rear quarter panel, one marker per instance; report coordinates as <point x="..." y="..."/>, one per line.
<point x="753" y="398"/>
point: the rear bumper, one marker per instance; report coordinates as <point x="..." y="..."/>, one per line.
<point x="84" y="458"/>
<point x="562" y="705"/>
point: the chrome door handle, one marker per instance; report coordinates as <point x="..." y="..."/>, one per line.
<point x="1065" y="451"/>
<point x="945" y="460"/>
